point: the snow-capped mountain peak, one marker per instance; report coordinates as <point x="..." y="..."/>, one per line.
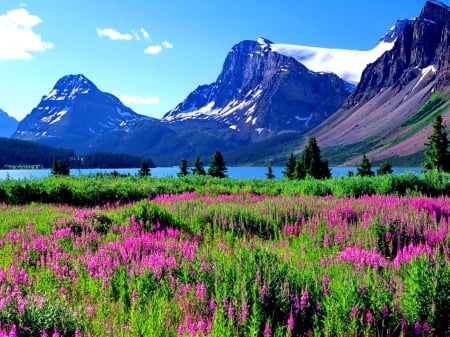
<point x="395" y="30"/>
<point x="76" y="108"/>
<point x="69" y="86"/>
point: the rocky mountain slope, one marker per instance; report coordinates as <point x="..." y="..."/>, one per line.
<point x="383" y="116"/>
<point x="74" y="112"/>
<point x="8" y="124"/>
<point x="264" y="90"/>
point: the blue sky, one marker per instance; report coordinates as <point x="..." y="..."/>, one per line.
<point x="153" y="53"/>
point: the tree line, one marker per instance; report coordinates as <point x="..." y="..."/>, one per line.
<point x="308" y="164"/>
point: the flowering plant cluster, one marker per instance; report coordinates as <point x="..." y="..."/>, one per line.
<point x="195" y="264"/>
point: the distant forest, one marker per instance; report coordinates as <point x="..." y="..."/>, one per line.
<point x="20" y="153"/>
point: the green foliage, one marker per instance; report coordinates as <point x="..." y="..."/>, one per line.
<point x="107" y="160"/>
<point x="20" y="152"/>
<point x="198" y="167"/>
<point x="365" y="168"/>
<point x="385" y="168"/>
<point x="429" y="109"/>
<point x="438" y="156"/>
<point x="144" y="171"/>
<point x="60" y="168"/>
<point x="269" y="174"/>
<point x="217" y="166"/>
<point x="290" y="164"/>
<point x="311" y="164"/>
<point x="183" y="168"/>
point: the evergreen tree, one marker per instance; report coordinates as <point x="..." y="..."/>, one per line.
<point x="198" y="167"/>
<point x="217" y="166"/>
<point x="183" y="168"/>
<point x="299" y="170"/>
<point x="144" y="171"/>
<point x="438" y="157"/>
<point x="289" y="171"/>
<point x="269" y="174"/>
<point x="60" y="168"/>
<point x="365" y="168"/>
<point x="311" y="164"/>
<point x="385" y="168"/>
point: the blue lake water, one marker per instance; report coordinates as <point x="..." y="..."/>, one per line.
<point x="233" y="172"/>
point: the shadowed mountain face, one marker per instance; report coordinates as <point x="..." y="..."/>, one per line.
<point x="423" y="46"/>
<point x="393" y="106"/>
<point x="8" y="124"/>
<point x="261" y="93"/>
<point x="74" y="112"/>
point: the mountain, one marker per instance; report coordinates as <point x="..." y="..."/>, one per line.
<point x="347" y="64"/>
<point x="388" y="115"/>
<point x="261" y="93"/>
<point x="8" y="124"/>
<point x="75" y="112"/>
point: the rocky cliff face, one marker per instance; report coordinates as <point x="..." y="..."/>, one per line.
<point x="74" y="112"/>
<point x="423" y="46"/>
<point x="261" y="93"/>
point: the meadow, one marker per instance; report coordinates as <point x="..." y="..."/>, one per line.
<point x="197" y="256"/>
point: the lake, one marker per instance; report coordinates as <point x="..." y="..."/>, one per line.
<point x="233" y="172"/>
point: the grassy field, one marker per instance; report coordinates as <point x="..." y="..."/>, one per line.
<point x="102" y="256"/>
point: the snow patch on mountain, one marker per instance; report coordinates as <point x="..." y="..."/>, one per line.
<point x="347" y="64"/>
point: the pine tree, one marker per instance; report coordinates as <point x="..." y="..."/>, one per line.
<point x="311" y="164"/>
<point x="289" y="171"/>
<point x="269" y="173"/>
<point x="385" y="168"/>
<point x="60" y="168"/>
<point x="438" y="157"/>
<point x="198" y="167"/>
<point x="217" y="166"/>
<point x="365" y="168"/>
<point x="144" y="171"/>
<point x="183" y="168"/>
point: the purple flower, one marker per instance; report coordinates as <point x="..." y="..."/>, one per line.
<point x="353" y="312"/>
<point x="290" y="322"/>
<point x="267" y="330"/>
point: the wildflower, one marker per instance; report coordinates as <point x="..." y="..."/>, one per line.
<point x="353" y="311"/>
<point x="385" y="311"/>
<point x="326" y="280"/>
<point x="200" y="292"/>
<point x="267" y="330"/>
<point x="290" y="322"/>
<point x="230" y="311"/>
<point x="134" y="294"/>
<point x="212" y="305"/>
<point x="417" y="329"/>
<point x="426" y="327"/>
<point x="244" y="312"/>
<point x="304" y="299"/>
<point x="13" y="331"/>
<point x="369" y="317"/>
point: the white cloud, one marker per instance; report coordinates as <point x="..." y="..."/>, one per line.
<point x="167" y="44"/>
<point x="145" y="34"/>
<point x="153" y="49"/>
<point x="17" y="38"/>
<point x="139" y="100"/>
<point x="113" y="34"/>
